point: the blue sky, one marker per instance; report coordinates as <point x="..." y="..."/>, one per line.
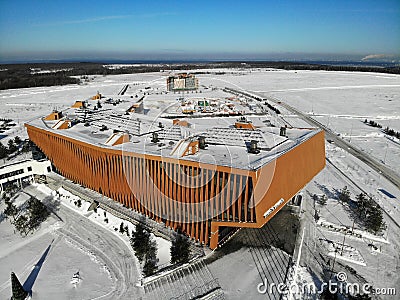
<point x="197" y="29"/>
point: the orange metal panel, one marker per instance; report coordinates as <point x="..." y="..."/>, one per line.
<point x="102" y="169"/>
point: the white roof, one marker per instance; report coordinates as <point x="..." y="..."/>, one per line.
<point x="226" y="145"/>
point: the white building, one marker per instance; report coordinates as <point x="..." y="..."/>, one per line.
<point x="26" y="169"/>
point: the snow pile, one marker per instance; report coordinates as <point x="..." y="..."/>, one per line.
<point x="44" y="189"/>
<point x="304" y="286"/>
<point x="343" y="252"/>
<point x="351" y="232"/>
<point x="70" y="200"/>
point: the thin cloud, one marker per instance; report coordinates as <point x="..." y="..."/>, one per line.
<point x="82" y="21"/>
<point x="375" y="56"/>
<point x="106" y="18"/>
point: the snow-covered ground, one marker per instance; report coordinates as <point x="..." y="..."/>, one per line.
<point x="67" y="253"/>
<point x="341" y="100"/>
<point x="66" y="256"/>
<point x="112" y="224"/>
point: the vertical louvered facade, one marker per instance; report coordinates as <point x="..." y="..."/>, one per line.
<point x="181" y="193"/>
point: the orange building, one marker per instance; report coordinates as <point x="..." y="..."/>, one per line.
<point x="79" y="104"/>
<point x="55" y="115"/>
<point x="163" y="173"/>
<point x="137" y="107"/>
<point x="97" y="96"/>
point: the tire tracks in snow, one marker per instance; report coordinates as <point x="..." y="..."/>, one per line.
<point x="107" y="248"/>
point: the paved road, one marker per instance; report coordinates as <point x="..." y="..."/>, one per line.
<point x="386" y="172"/>
<point x="314" y="253"/>
<point x="106" y="246"/>
<point x="159" y="229"/>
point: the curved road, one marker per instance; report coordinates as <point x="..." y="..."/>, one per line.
<point x="108" y="247"/>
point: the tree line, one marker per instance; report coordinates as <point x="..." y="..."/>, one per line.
<point x="13" y="145"/>
<point x="21" y="75"/>
<point x="386" y="130"/>
<point x="145" y="248"/>
<point x="25" y="218"/>
<point x="364" y="209"/>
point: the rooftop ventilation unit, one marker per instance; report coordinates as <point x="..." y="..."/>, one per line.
<point x="243" y="119"/>
<point x="282" y="132"/>
<point x="155" y="139"/>
<point x="202" y="142"/>
<point x="253" y="147"/>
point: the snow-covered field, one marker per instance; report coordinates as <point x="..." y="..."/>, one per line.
<point x="341" y="100"/>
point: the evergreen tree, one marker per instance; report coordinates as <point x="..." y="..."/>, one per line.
<point x="374" y="221"/>
<point x="37" y="213"/>
<point x="26" y="147"/>
<point x="344" y="195"/>
<point x="3" y="151"/>
<point x="22" y="224"/>
<point x="11" y="146"/>
<point x="315" y="197"/>
<point x="150" y="262"/>
<point x="11" y="210"/>
<point x="323" y="199"/>
<point x="17" y="140"/>
<point x="18" y="292"/>
<point x="140" y="241"/>
<point x="180" y="251"/>
<point x="362" y="204"/>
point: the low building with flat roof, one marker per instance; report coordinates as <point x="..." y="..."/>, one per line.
<point x="19" y="171"/>
<point x="200" y="178"/>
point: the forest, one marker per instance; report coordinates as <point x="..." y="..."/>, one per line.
<point x="13" y="76"/>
